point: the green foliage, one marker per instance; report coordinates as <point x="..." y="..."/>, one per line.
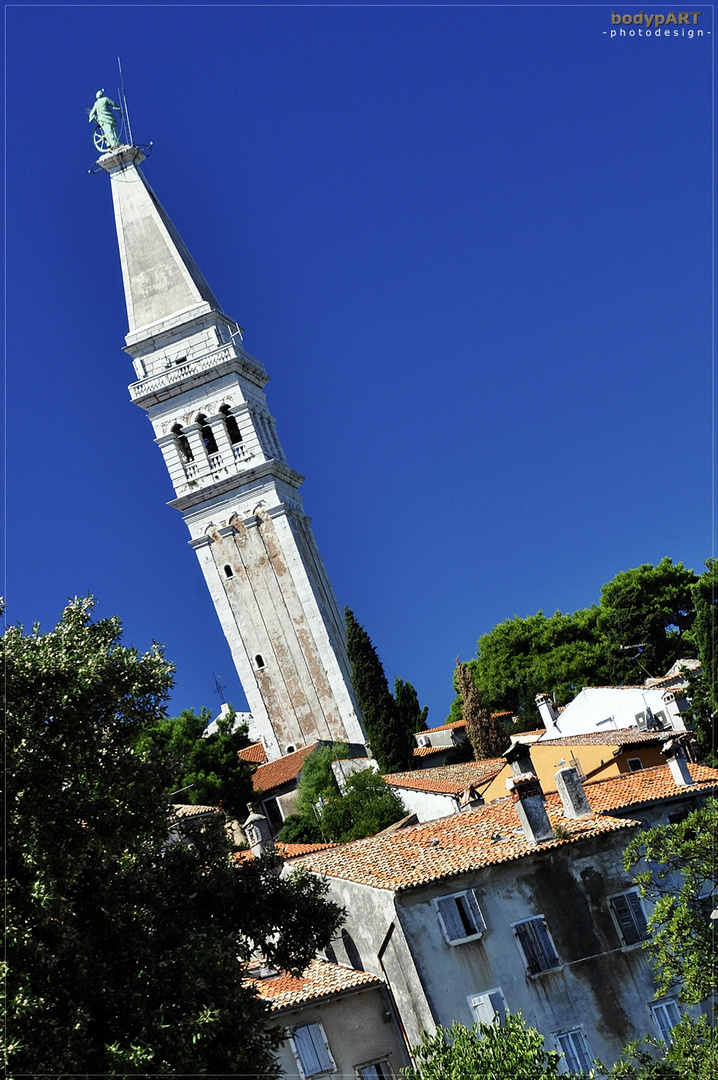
<point x="124" y="950"/>
<point x="703" y="685"/>
<point x="496" y="1051"/>
<point x="651" y="606"/>
<point x="486" y="734"/>
<point x="202" y="771"/>
<point x="691" y="1055"/>
<point x="390" y="723"/>
<point x="367" y="806"/>
<point x="681" y="880"/>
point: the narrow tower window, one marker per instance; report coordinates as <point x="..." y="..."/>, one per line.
<point x="183" y="442"/>
<point x="228" y="572"/>
<point x="230" y="422"/>
<point x="259" y="661"/>
<point x="208" y="438"/>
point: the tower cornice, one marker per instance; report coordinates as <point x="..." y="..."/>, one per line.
<point x="273" y="469"/>
<point x="176" y="380"/>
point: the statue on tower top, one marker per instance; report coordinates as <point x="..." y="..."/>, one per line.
<point x="102" y="114"/>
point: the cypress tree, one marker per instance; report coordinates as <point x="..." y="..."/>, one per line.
<point x="484" y="731"/>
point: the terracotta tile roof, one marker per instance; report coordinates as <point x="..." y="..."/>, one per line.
<point x="453" y="845"/>
<point x="609" y="737"/>
<point x="254" y="753"/>
<point x="281" y="771"/>
<point x="448" y="779"/>
<point x="644" y="786"/>
<point x="321" y="980"/>
<point x="442" y="727"/>
<point x="286" y="851"/>
<point x="182" y="810"/>
<point x="426" y="751"/>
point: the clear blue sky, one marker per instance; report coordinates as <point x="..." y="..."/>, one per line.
<point x="472" y="247"/>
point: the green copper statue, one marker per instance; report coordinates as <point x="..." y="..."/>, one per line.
<point x="101" y="114"/>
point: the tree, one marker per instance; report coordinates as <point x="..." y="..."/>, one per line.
<point x="484" y="731"/>
<point x="691" y="1055"/>
<point x="681" y="880"/>
<point x="650" y="606"/>
<point x="507" y="1050"/>
<point x="390" y="723"/>
<point x="201" y="770"/>
<point x="126" y="951"/>
<point x="365" y="806"/>
<point x="703" y="684"/>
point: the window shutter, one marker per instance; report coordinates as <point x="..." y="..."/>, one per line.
<point x="453" y="925"/>
<point x="483" y="1009"/>
<point x="631" y="920"/>
<point x="575" y="1049"/>
<point x="545" y="944"/>
<point x="312" y="1050"/>
<point x="536" y="944"/>
<point x="474" y="910"/>
<point x="666" y="1015"/>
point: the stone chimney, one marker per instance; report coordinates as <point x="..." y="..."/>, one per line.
<point x="547" y="711"/>
<point x="519" y="758"/>
<point x="675" y="756"/>
<point x="573" y="797"/>
<point x="528" y="799"/>
<point x="259" y="835"/>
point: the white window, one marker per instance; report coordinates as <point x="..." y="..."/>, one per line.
<point x="630" y="917"/>
<point x="573" y="1045"/>
<point x="378" y="1071"/>
<point x="536" y="945"/>
<point x="312" y="1050"/>
<point x="484" y="1007"/>
<point x="666" y="1015"/>
<point x="460" y="917"/>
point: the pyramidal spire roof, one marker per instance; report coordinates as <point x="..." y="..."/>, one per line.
<point x="161" y="278"/>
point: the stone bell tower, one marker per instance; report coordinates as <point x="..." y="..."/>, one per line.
<point x="239" y="497"/>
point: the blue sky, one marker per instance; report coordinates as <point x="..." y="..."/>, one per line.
<point x="472" y="247"/>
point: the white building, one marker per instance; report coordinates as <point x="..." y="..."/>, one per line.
<point x="606" y="708"/>
<point x="234" y="487"/>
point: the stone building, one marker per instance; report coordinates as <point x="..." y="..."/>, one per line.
<point x="204" y="395"/>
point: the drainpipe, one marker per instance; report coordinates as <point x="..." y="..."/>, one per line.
<point x="389" y="991"/>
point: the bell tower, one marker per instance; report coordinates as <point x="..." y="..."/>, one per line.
<point x="204" y="396"/>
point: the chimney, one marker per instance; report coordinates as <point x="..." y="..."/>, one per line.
<point x="675" y="755"/>
<point x="519" y="758"/>
<point x="259" y="835"/>
<point x="529" y="801"/>
<point x="547" y="711"/>
<point x="573" y="797"/>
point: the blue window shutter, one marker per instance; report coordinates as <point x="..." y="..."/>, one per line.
<point x="311" y="1049"/>
<point x="451" y="918"/>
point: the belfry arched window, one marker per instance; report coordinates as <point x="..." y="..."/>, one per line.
<point x="230" y="423"/>
<point x="182" y="442"/>
<point x="210" y="443"/>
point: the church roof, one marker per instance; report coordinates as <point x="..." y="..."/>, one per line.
<point x="254" y="753"/>
<point x="282" y="771"/>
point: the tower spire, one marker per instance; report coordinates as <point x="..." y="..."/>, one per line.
<point x="233" y="485"/>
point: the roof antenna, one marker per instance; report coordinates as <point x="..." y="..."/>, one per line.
<point x="123" y="102"/>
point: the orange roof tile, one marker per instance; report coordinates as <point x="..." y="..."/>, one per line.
<point x="454" y="845"/>
<point x="646" y="785"/>
<point x="448" y="779"/>
<point x="426" y="751"/>
<point x="321" y="979"/>
<point x="181" y="810"/>
<point x="254" y="753"/>
<point x="609" y="737"/>
<point x="442" y="727"/>
<point x="281" y="771"/>
<point x="285" y="851"/>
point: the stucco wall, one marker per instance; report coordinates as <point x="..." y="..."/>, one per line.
<point x="359" y="1028"/>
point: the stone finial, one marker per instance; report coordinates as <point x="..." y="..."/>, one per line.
<point x="528" y="798"/>
<point x="259" y="835"/>
<point x="573" y="797"/>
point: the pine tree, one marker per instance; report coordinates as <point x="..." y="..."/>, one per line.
<point x="484" y="731"/>
<point x="390" y="724"/>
